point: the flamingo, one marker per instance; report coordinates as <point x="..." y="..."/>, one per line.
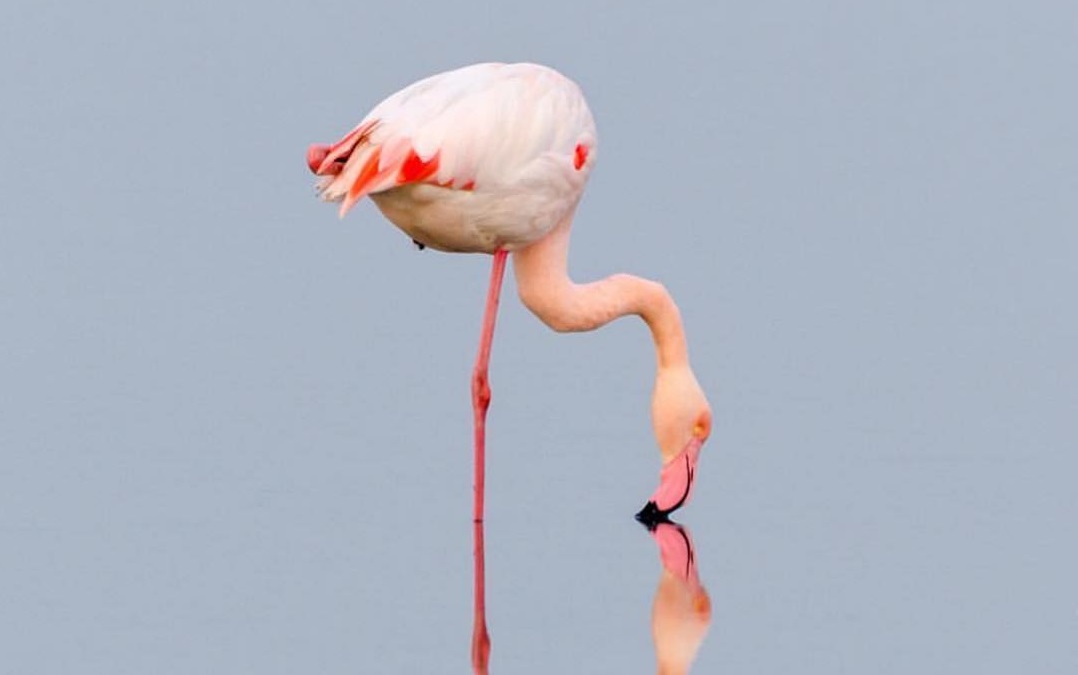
<point x="493" y="158"/>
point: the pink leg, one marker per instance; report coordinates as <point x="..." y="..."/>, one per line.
<point x="480" y="382"/>
<point x="480" y="403"/>
<point x="480" y="637"/>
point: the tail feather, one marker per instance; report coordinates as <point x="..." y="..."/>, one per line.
<point x="344" y="147"/>
<point x="357" y="166"/>
<point x="369" y="178"/>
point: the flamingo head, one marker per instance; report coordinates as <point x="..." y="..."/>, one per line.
<point x="680" y="413"/>
<point x="681" y="417"/>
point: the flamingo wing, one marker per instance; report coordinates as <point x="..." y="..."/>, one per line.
<point x="483" y="126"/>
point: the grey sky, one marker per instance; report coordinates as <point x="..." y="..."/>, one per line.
<point x="236" y="430"/>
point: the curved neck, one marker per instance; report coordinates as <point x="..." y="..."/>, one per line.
<point x="546" y="289"/>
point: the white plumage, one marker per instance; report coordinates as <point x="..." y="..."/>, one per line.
<point x="484" y="157"/>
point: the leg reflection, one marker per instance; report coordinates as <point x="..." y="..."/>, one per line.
<point x="480" y="637"/>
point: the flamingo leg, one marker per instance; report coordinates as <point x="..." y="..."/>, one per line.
<point x="480" y="404"/>
<point x="480" y="381"/>
<point x="480" y="637"/>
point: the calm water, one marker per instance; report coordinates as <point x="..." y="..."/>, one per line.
<point x="236" y="431"/>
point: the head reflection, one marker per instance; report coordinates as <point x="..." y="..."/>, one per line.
<point x="682" y="611"/>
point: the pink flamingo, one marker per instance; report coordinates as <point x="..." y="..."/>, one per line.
<point x="493" y="158"/>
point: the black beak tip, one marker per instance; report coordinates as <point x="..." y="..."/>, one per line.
<point x="651" y="517"/>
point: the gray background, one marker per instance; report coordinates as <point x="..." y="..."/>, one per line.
<point x="236" y="431"/>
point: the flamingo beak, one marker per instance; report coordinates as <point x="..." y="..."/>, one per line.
<point x="675" y="485"/>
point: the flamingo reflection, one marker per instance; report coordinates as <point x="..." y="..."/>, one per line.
<point x="681" y="613"/>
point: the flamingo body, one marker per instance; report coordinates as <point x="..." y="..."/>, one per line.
<point x="487" y="157"/>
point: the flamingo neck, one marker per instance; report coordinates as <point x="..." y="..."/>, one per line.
<point x="545" y="288"/>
